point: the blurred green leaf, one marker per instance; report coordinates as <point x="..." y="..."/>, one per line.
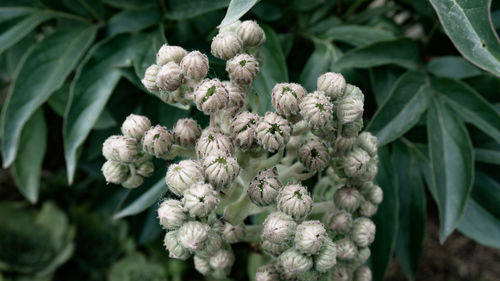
<point x="408" y="100"/>
<point x="129" y="4"/>
<point x="357" y="35"/>
<point x="27" y="168"/>
<point x="146" y="54"/>
<point x="412" y="209"/>
<point x="182" y="9"/>
<point x="135" y="267"/>
<point x="236" y="9"/>
<point x="17" y="32"/>
<point x="8" y="13"/>
<point x="452" y="67"/>
<point x="59" y="99"/>
<point x="272" y="71"/>
<point x="91" y="89"/>
<point x="87" y="8"/>
<point x="144" y="201"/>
<point x="133" y="20"/>
<point x="401" y="52"/>
<point x="469" y="105"/>
<point x="255" y="261"/>
<point x="42" y="72"/>
<point x="481" y="220"/>
<point x="382" y="79"/>
<point x="386" y="218"/>
<point x="15" y="55"/>
<point x="489" y="156"/>
<point x="468" y="24"/>
<point x="318" y="63"/>
<point x="151" y="229"/>
<point x="452" y="164"/>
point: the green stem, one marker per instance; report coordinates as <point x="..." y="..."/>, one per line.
<point x="322" y="207"/>
<point x="252" y="233"/>
<point x="286" y="173"/>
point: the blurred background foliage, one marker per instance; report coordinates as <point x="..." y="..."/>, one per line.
<point x="70" y="73"/>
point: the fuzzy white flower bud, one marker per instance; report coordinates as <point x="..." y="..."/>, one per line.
<point x="243" y="129"/>
<point x="356" y="162"/>
<point x="310" y="237"/>
<point x="375" y="194"/>
<point x="201" y="265"/>
<point x="195" y="65"/>
<point x="210" y="96"/>
<point x="183" y="175"/>
<point x="327" y="257"/>
<point x="175" y="249"/>
<point x="145" y="169"/>
<point x="368" y="143"/>
<point x="273" y="132"/>
<point x="292" y="263"/>
<point x="168" y="54"/>
<point x="114" y="172"/>
<point x="242" y="69"/>
<point x="171" y="214"/>
<point x="369" y="174"/>
<point x="313" y="154"/>
<point x="133" y="181"/>
<point x="222" y="259"/>
<point x="294" y="200"/>
<point x="363" y="273"/>
<point x="339" y="222"/>
<point x="186" y="132"/>
<point x="169" y="77"/>
<point x="226" y="45"/>
<point x="264" y="188"/>
<point x="278" y="228"/>
<point x="214" y="243"/>
<point x="351" y="106"/>
<point x="251" y="34"/>
<point x="351" y="130"/>
<point x="120" y="148"/>
<point x="233" y="233"/>
<point x="149" y="80"/>
<point x="317" y="109"/>
<point x="362" y="257"/>
<point x="193" y="235"/>
<point x="347" y="198"/>
<point x="286" y="98"/>
<point x="212" y="139"/>
<point x="157" y="141"/>
<point x="230" y="28"/>
<point x="200" y="199"/>
<point x="343" y="144"/>
<point x="267" y="273"/>
<point x="346" y="249"/>
<point x="237" y="97"/>
<point x="135" y="126"/>
<point x="363" y="232"/>
<point x="367" y="209"/>
<point x="341" y="273"/>
<point x="274" y="249"/>
<point x="333" y="84"/>
<point x="220" y="170"/>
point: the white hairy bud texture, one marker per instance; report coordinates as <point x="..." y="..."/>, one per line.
<point x="186" y="132"/>
<point x="346" y="249"/>
<point x="233" y="233"/>
<point x="375" y="194"/>
<point x="175" y="249"/>
<point x="210" y="96"/>
<point x="286" y="98"/>
<point x="114" y="172"/>
<point x="157" y="141"/>
<point x="292" y="263"/>
<point x="352" y="129"/>
<point x="264" y="188"/>
<point x="363" y="232"/>
<point x="168" y="54"/>
<point x="347" y="198"/>
<point x="363" y="273"/>
<point x="195" y="65"/>
<point x="327" y="257"/>
<point x="226" y="45"/>
<point x="313" y="154"/>
<point x="351" y="106"/>
<point x="201" y="265"/>
<point x="145" y="169"/>
<point x="251" y="34"/>
<point x="149" y="80"/>
<point x="267" y="273"/>
<point x="243" y="129"/>
<point x="310" y="237"/>
<point x="242" y="69"/>
<point x="231" y="27"/>
<point x="343" y="144"/>
<point x="368" y="143"/>
<point x="183" y="175"/>
<point x="220" y="169"/>
<point x="294" y="200"/>
<point x="200" y="199"/>
<point x="333" y="84"/>
<point x="135" y="126"/>
<point x="211" y="140"/>
<point x="169" y="77"/>
<point x="339" y="222"/>
<point x="171" y="214"/>
<point x="356" y="162"/>
<point x="317" y="109"/>
<point x="278" y="228"/>
<point x="237" y="97"/>
<point x="341" y="273"/>
<point x="213" y="244"/>
<point x="274" y="249"/>
<point x="367" y="209"/>
<point x="193" y="235"/>
<point x="133" y="181"/>
<point x="273" y="132"/>
<point x="120" y="148"/>
<point x="222" y="259"/>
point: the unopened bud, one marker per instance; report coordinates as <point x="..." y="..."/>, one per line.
<point x="157" y="141"/>
<point x="214" y="243"/>
<point x="211" y="140"/>
<point x="222" y="259"/>
<point x="168" y="54"/>
<point x="274" y="249"/>
<point x="175" y="249"/>
<point x="286" y="98"/>
<point x="368" y="143"/>
<point x="171" y="214"/>
<point x="347" y="198"/>
<point x="133" y="181"/>
<point x="200" y="199"/>
<point x="243" y="129"/>
<point x="114" y="172"/>
<point x="267" y="273"/>
<point x="231" y="27"/>
<point x="186" y="132"/>
<point x="169" y="77"/>
<point x="264" y="188"/>
<point x="375" y="194"/>
<point x="369" y="174"/>
<point x="333" y="84"/>
<point x="294" y="200"/>
<point x="327" y="257"/>
<point x="310" y="237"/>
<point x="242" y="69"/>
<point x="317" y="109"/>
<point x="352" y="129"/>
<point x="341" y="273"/>
<point x="363" y="232"/>
<point x="120" y="148"/>
<point x="135" y="126"/>
<point x="193" y="235"/>
<point x="210" y="96"/>
<point x="237" y="97"/>
<point x="343" y="144"/>
<point x="351" y="106"/>
<point x="313" y="154"/>
<point x="201" y="265"/>
<point x="226" y="45"/>
<point x="251" y="34"/>
<point x="195" y="65"/>
<point x="149" y="80"/>
<point x="183" y="175"/>
<point x="220" y="169"/>
<point x="363" y="273"/>
<point x="273" y="132"/>
<point x="346" y="249"/>
<point x="233" y="233"/>
<point x="367" y="209"/>
<point x="278" y="228"/>
<point x="292" y="263"/>
<point x="145" y="169"/>
<point x="356" y="162"/>
<point x="339" y="222"/>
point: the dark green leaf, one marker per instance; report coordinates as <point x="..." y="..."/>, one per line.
<point x="236" y="9"/>
<point x="128" y="4"/>
<point x="489" y="156"/>
<point x="26" y="170"/>
<point x="468" y="24"/>
<point x="91" y="89"/>
<point x="59" y="99"/>
<point x="87" y="8"/>
<point x="452" y="67"/>
<point x="357" y="35"/>
<point x="267" y="11"/>
<point x="8" y="13"/>
<point x="469" y="105"/>
<point x="42" y="72"/>
<point x="481" y="220"/>
<point x="182" y="9"/>
<point x="386" y="218"/>
<point x="318" y="63"/>
<point x="146" y="55"/>
<point x="382" y="79"/>
<point x="145" y="201"/>
<point x="402" y="109"/>
<point x="151" y="229"/>
<point x="412" y="209"/>
<point x="401" y="52"/>
<point x="14" y="55"/>
<point x="452" y="164"/>
<point x="133" y="20"/>
<point x="273" y="70"/>
<point x="17" y="32"/>
<point x="369" y="14"/>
